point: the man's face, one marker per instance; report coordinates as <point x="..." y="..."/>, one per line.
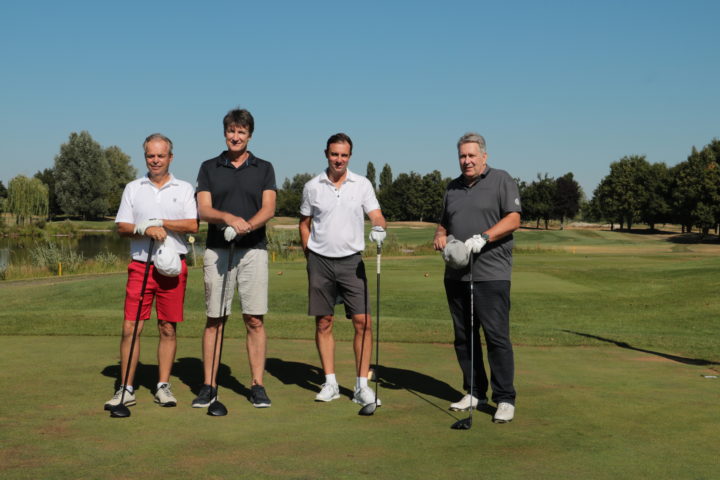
<point x="237" y="138"/>
<point x="158" y="157"/>
<point x="338" y="156"/>
<point x="472" y="160"/>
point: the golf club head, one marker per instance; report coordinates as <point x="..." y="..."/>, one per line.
<point x="119" y="411"/>
<point x="463" y="424"/>
<point x="217" y="409"/>
<point x="368" y="409"/>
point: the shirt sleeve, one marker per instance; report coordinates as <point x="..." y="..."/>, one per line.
<point x="203" y="180"/>
<point x="125" y="212"/>
<point x="510" y="195"/>
<point x="270" y="183"/>
<point x="370" y="202"/>
<point x="189" y="203"/>
<point x="305" y="205"/>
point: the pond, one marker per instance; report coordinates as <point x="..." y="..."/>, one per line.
<point x="16" y="250"/>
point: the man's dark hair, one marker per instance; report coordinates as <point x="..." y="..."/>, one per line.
<point x="339" y="138"/>
<point x="239" y="117"/>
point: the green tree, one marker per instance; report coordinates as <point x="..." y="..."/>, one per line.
<point x="566" y="202"/>
<point x="538" y="200"/>
<point x="47" y="176"/>
<point x="82" y="177"/>
<point x="27" y="198"/>
<point x="696" y="189"/>
<point x="657" y="204"/>
<point x="121" y="173"/>
<point x="370" y="174"/>
<point x="3" y="196"/>
<point x="386" y="177"/>
<point x="625" y="189"/>
<point x="290" y="195"/>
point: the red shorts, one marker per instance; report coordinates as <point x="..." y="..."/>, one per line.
<point x="169" y="292"/>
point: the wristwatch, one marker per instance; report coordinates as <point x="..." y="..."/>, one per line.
<point x="485" y="237"/>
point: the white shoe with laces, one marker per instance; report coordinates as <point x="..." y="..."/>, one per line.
<point x="365" y="396"/>
<point x="128" y="400"/>
<point x="328" y="392"/>
<point x="465" y="403"/>
<point x="165" y="397"/>
<point x="505" y="412"/>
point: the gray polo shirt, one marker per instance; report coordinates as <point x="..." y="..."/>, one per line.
<point x="469" y="211"/>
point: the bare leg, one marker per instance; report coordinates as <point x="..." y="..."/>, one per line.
<point x="125" y="342"/>
<point x="213" y="330"/>
<point x="362" y="343"/>
<point x="167" y="346"/>
<point x="325" y="342"/>
<point x="256" y="343"/>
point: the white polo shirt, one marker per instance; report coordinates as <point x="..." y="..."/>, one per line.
<point x="142" y="200"/>
<point x="338" y="214"/>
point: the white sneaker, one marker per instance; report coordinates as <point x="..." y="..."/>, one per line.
<point x="464" y="403"/>
<point x="328" y="392"/>
<point x="365" y="396"/>
<point x="505" y="413"/>
<point x="129" y="399"/>
<point x="165" y="397"/>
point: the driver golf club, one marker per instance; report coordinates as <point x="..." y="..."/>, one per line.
<point x="466" y="423"/>
<point x="120" y="410"/>
<point x="370" y="408"/>
<point x="216" y="408"/>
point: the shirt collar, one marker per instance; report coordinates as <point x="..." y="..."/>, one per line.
<point x="224" y="161"/>
<point x="171" y="181"/>
<point x="351" y="177"/>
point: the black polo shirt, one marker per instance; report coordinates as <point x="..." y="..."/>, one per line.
<point x="237" y="191"/>
<point x="469" y="211"/>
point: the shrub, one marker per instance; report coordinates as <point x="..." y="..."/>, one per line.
<point x="51" y="256"/>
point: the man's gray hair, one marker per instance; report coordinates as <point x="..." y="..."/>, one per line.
<point x="157" y="136"/>
<point x="472" y="137"/>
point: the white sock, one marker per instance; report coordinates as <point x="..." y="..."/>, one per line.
<point x="129" y="388"/>
<point x="331" y="379"/>
<point x="160" y="384"/>
<point x="361" y="382"/>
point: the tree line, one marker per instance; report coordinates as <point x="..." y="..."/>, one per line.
<point x="87" y="181"/>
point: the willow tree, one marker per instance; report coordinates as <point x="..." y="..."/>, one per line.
<point x="27" y="198"/>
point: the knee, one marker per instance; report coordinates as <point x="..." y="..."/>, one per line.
<point x="253" y="324"/>
<point x="324" y="325"/>
<point x="167" y="330"/>
<point x="362" y="322"/>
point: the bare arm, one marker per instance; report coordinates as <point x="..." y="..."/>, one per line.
<point x="440" y="239"/>
<point x="188" y="225"/>
<point x="241" y="225"/>
<point x="377" y="219"/>
<point x="507" y="225"/>
<point x="304" y="226"/>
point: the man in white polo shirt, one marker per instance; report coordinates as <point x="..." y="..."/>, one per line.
<point x="160" y="207"/>
<point x="332" y="214"/>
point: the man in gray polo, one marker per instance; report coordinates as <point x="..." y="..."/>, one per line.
<point x="482" y="209"/>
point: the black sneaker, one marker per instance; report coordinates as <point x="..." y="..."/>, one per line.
<point x="258" y="397"/>
<point x="205" y="397"/>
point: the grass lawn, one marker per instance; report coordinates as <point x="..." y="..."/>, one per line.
<point x="615" y="334"/>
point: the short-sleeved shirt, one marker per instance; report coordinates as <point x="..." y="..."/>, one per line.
<point x="338" y="214"/>
<point x="142" y="200"/>
<point x="238" y="191"/>
<point x="469" y="211"/>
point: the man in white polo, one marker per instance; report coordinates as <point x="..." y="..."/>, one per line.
<point x="160" y="207"/>
<point x="333" y="209"/>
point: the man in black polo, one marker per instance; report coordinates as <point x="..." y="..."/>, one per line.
<point x="236" y="194"/>
<point x="482" y="209"/>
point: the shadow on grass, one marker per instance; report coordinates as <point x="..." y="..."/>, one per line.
<point x="188" y="370"/>
<point x="674" y="358"/>
<point x="301" y="374"/>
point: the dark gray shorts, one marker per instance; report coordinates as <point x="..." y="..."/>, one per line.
<point x="332" y="279"/>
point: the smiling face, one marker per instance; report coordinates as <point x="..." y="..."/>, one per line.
<point x="472" y="160"/>
<point x="157" y="158"/>
<point x="338" y="156"/>
<point x="237" y="138"/>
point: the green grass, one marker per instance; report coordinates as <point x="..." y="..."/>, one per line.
<point x="612" y="345"/>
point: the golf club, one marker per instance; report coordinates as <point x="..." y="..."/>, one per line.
<point x="466" y="423"/>
<point x="216" y="408"/>
<point x="370" y="408"/>
<point x="120" y="410"/>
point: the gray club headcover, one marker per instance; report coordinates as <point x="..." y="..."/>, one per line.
<point x="456" y="254"/>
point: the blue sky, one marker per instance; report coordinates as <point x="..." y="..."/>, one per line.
<point x="555" y="87"/>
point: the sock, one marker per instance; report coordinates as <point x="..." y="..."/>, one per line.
<point x="331" y="379"/>
<point x="160" y="384"/>
<point x="361" y="382"/>
<point x="129" y="388"/>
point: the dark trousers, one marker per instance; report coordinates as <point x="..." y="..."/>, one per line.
<point x="492" y="314"/>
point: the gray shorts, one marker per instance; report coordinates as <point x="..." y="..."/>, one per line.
<point x="249" y="272"/>
<point x="332" y="279"/>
